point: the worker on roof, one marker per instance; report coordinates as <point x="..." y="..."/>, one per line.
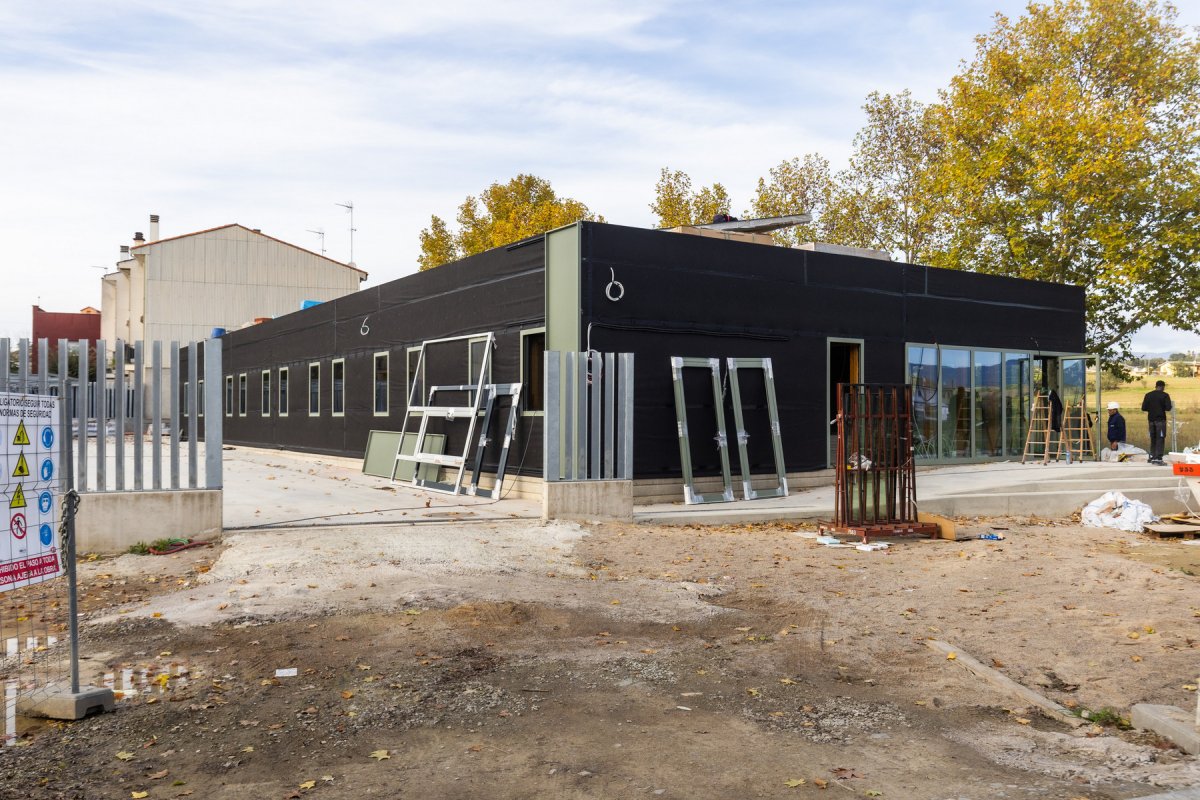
<point x="1116" y="426"/>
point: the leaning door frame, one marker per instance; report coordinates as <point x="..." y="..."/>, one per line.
<point x="830" y="412"/>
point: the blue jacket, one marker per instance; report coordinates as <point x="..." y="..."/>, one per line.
<point x="1116" y="428"/>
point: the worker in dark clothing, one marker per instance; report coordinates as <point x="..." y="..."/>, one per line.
<point x="1156" y="404"/>
<point x="1116" y="426"/>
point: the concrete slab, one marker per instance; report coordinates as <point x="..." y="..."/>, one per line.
<point x="1171" y="723"/>
<point x="998" y="489"/>
<point x="61" y="703"/>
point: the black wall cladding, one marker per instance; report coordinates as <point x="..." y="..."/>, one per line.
<point x="500" y="291"/>
<point x="704" y="297"/>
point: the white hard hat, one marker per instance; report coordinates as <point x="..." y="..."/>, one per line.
<point x="1113" y="405"/>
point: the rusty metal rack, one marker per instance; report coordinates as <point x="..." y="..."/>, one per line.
<point x="875" y="487"/>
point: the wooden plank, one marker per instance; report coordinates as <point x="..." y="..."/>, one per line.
<point x="1005" y="684"/>
<point x="946" y="527"/>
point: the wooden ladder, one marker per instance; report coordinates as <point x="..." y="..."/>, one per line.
<point x="1038" y="441"/>
<point x="1077" y="430"/>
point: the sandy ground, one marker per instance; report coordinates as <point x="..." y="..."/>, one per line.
<point x="508" y="659"/>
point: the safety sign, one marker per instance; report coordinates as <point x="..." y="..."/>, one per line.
<point x="30" y="550"/>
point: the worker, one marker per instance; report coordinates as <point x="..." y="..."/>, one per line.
<point x="1156" y="404"/>
<point x="1116" y="426"/>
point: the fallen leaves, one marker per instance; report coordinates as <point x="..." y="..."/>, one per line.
<point x="792" y="783"/>
<point x="139" y="795"/>
<point x="125" y="755"/>
<point x="380" y="755"/>
<point x="346" y="695"/>
<point x="308" y="784"/>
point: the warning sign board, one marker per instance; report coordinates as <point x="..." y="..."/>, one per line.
<point x="29" y="544"/>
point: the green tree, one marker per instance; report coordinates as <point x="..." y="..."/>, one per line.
<point x="502" y="214"/>
<point x="798" y="186"/>
<point x="885" y="199"/>
<point x="1071" y="146"/>
<point x="675" y="204"/>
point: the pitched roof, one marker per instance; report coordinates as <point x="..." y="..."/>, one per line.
<point x="257" y="233"/>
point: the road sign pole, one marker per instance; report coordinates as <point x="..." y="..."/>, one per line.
<point x="70" y="504"/>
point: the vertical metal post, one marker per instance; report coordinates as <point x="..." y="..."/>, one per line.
<point x="569" y="418"/>
<point x="23" y="366"/>
<point x="139" y="415"/>
<point x="213" y="431"/>
<point x="64" y="368"/>
<point x="175" y="377"/>
<point x="119" y="415"/>
<point x="43" y="346"/>
<point x="610" y="435"/>
<point x="70" y="500"/>
<point x="625" y="417"/>
<point x="581" y="416"/>
<point x="193" y="400"/>
<point x="81" y="412"/>
<point x="595" y="444"/>
<point x="156" y="415"/>
<point x="552" y="421"/>
<point x="100" y="401"/>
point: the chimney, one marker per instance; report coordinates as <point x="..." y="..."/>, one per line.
<point x="154" y="227"/>
<point x="125" y="252"/>
<point x="138" y="239"/>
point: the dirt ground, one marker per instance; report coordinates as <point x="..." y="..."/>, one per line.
<point x="518" y="659"/>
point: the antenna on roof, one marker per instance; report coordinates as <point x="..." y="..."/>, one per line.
<point x="349" y="206"/>
<point x="319" y="232"/>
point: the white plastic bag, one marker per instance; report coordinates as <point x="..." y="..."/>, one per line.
<point x="1115" y="510"/>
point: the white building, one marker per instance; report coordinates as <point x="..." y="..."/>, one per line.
<point x="182" y="287"/>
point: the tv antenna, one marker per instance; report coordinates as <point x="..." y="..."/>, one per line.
<point x="319" y="232"/>
<point x="349" y="206"/>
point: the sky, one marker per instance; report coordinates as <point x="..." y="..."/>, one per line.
<point x="270" y="113"/>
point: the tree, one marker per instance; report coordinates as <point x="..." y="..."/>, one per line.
<point x="799" y="186"/>
<point x="1070" y="154"/>
<point x="675" y="204"/>
<point x="885" y="199"/>
<point x="503" y="213"/>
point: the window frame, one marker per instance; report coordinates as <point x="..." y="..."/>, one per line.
<point x="265" y="392"/>
<point x="229" y="395"/>
<point x="334" y="389"/>
<point x="311" y="383"/>
<point x="243" y="393"/>
<point x="387" y="383"/>
<point x="525" y="391"/>
<point x="409" y="354"/>
<point x="281" y="392"/>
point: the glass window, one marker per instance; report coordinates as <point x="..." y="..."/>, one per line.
<point x="988" y="422"/>
<point x="922" y="375"/>
<point x="314" y="389"/>
<point x="1017" y="401"/>
<point x="533" y="360"/>
<point x="283" y="391"/>
<point x="229" y="395"/>
<point x="242" y="392"/>
<point x="266" y="392"/>
<point x="338" y="384"/>
<point x="200" y="388"/>
<point x="954" y="408"/>
<point x="381" y="384"/>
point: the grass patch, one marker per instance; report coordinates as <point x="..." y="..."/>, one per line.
<point x="1106" y="717"/>
<point x="1185" y="395"/>
<point x="143" y="549"/>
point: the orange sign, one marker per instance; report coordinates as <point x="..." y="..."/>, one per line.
<point x="1186" y="469"/>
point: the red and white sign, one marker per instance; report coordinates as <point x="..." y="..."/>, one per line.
<point x="29" y="443"/>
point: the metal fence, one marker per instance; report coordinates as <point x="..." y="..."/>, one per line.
<point x="137" y="423"/>
<point x="114" y="429"/>
<point x="589" y="416"/>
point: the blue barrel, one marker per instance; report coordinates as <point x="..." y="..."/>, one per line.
<point x="217" y="333"/>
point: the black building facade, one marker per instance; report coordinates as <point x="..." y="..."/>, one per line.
<point x="973" y="346"/>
